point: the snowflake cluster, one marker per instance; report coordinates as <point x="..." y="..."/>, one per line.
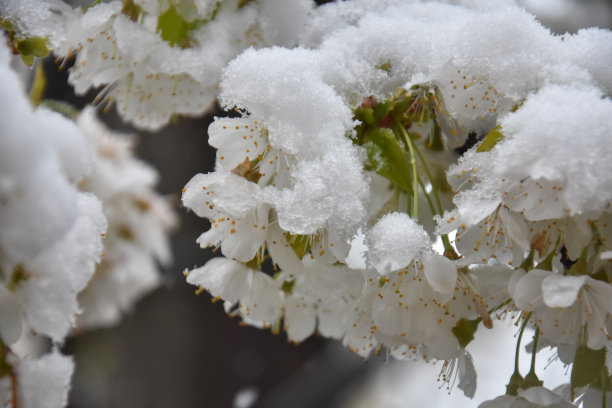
<point x="460" y="147"/>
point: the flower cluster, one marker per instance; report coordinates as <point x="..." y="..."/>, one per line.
<point x="156" y="59"/>
<point x="50" y="240"/>
<point x="471" y="162"/>
<point x="64" y="186"/>
<point x="460" y="149"/>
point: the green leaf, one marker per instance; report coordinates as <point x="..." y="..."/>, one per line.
<point x="172" y="27"/>
<point x="385" y="66"/>
<point x="130" y="9"/>
<point x="7" y="25"/>
<point x="580" y="266"/>
<point x="489" y="142"/>
<point x="300" y="244"/>
<point x="34" y="46"/>
<point x="365" y="115"/>
<point x="287" y="286"/>
<point x="382" y="109"/>
<point x="387" y="158"/>
<point x="27" y="47"/>
<point x="27" y="59"/>
<point x="464" y="331"/>
<point x="588" y="365"/>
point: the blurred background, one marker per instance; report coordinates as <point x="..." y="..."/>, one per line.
<point x="177" y="349"/>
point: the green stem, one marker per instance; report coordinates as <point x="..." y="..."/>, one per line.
<point x="415" y="178"/>
<point x="535" y="350"/>
<point x="431" y="179"/>
<point x="429" y="202"/>
<point x="434" y="188"/>
<point x="446" y="242"/>
<point x="496" y="308"/>
<point x="604" y="392"/>
<point x="518" y="343"/>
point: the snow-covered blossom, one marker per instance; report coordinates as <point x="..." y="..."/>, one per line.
<point x="159" y="59"/>
<point x="43" y="382"/>
<point x="467" y="145"/>
<point x="50" y="240"/>
<point x="484" y="123"/>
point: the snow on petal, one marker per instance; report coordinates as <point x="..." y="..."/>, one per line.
<point x="45" y="382"/>
<point x="394" y="241"/>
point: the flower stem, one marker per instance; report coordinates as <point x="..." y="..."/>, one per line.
<point x="518" y="343"/>
<point x="431" y="179"/>
<point x="427" y="197"/>
<point x="434" y="188"/>
<point x="415" y="178"/>
<point x="535" y="350"/>
<point x="496" y="308"/>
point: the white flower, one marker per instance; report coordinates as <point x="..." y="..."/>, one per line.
<point x="502" y="235"/>
<point x="462" y="367"/>
<point x="394" y="241"/>
<point x="535" y="397"/>
<point x="255" y="292"/>
<point x="564" y="305"/>
<point x="244" y="147"/>
<point x="592" y="397"/>
<point x="322" y="297"/>
<point x="151" y="76"/>
<point x="50" y="234"/>
<point x="40" y="382"/>
<point x="238" y="218"/>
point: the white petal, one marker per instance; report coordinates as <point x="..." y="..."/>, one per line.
<point x="222" y="277"/>
<point x="467" y="374"/>
<point x="263" y="301"/>
<point x="527" y="293"/>
<point x="561" y="291"/>
<point x="543" y="397"/>
<point x="195" y="197"/>
<point x="62" y="271"/>
<point x="300" y="319"/>
<point x="503" y="401"/>
<point x="440" y="273"/>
